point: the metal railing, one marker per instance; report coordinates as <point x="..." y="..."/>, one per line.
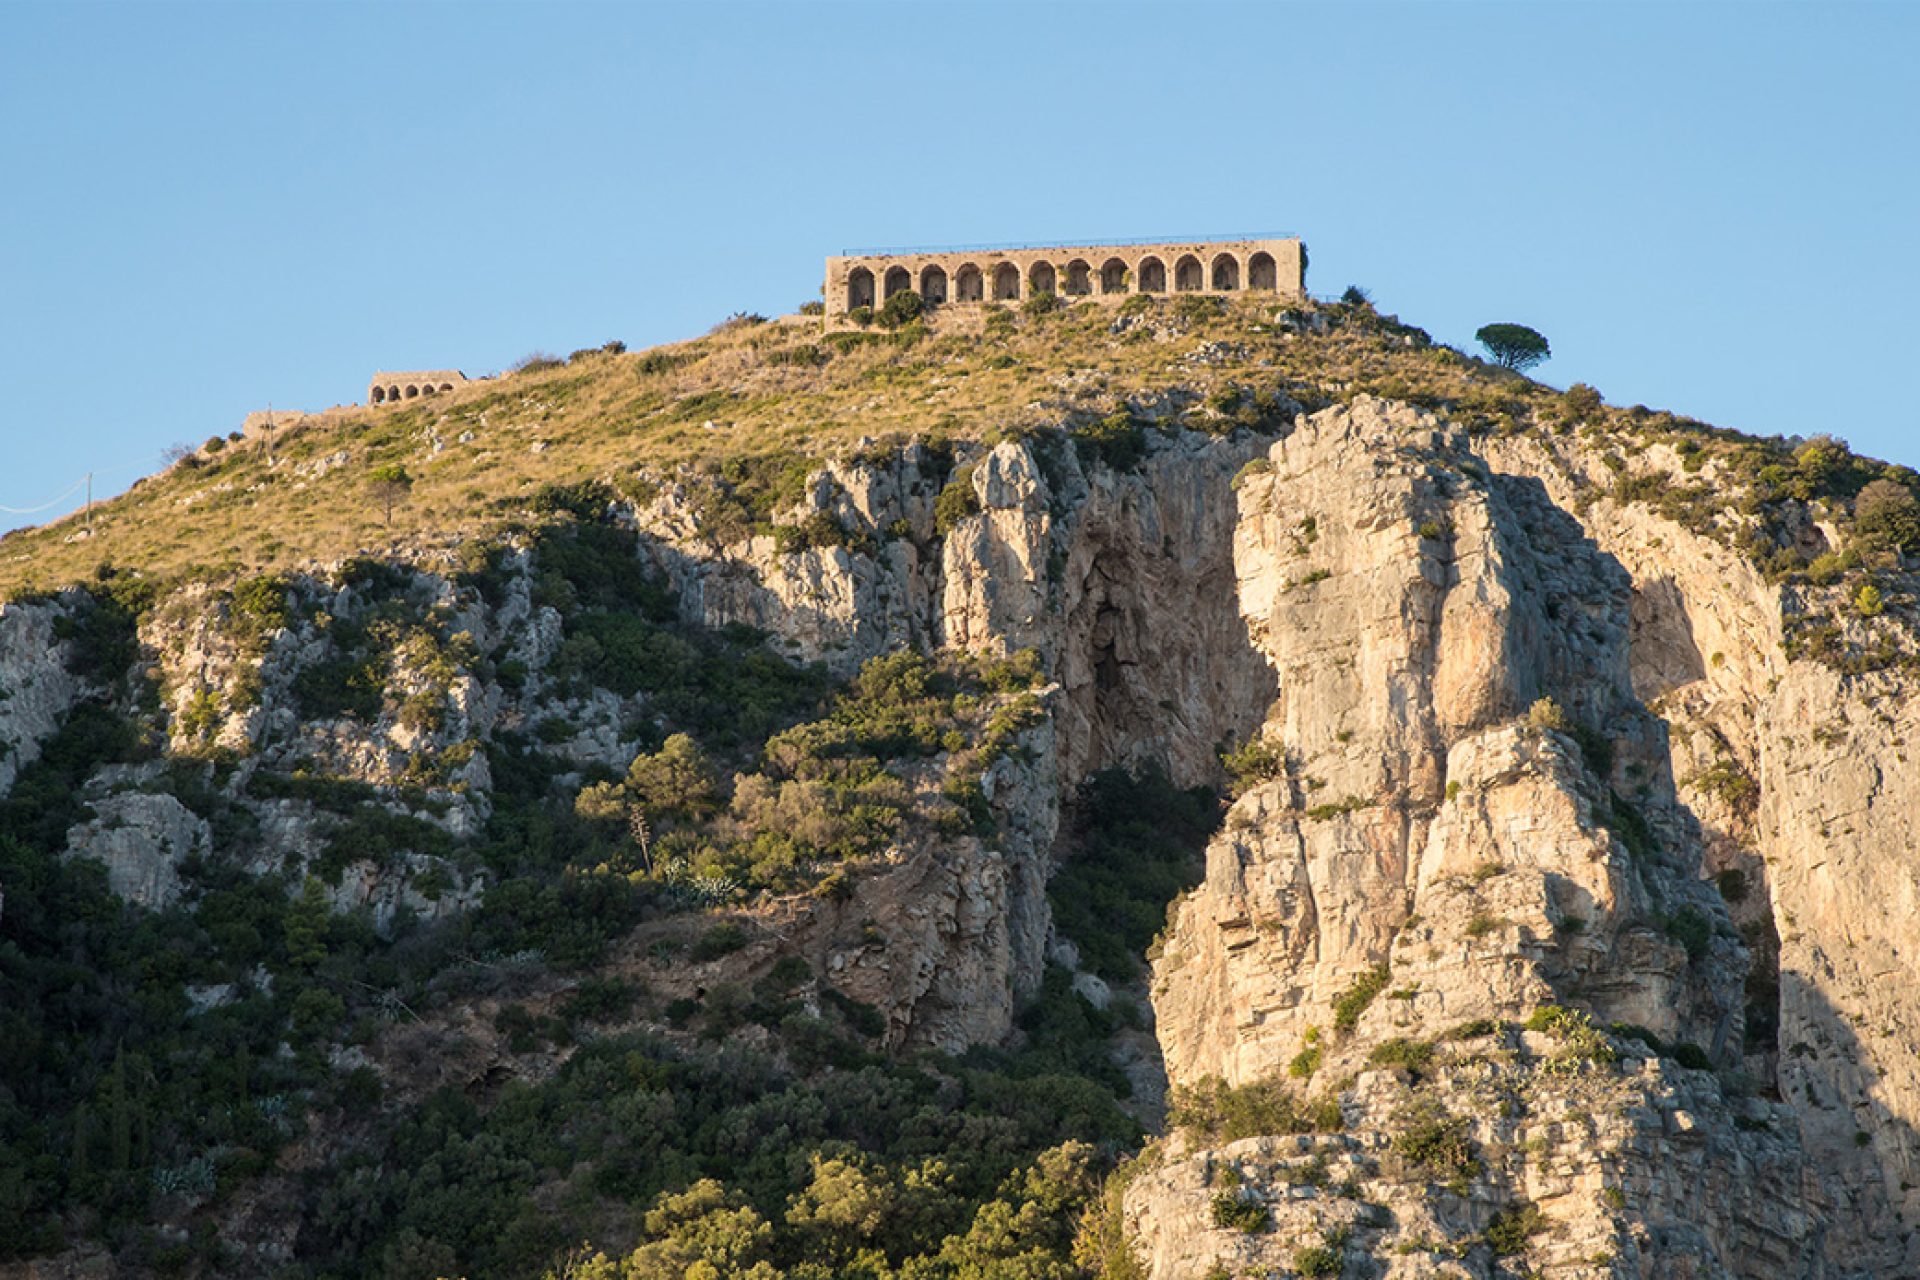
<point x="903" y="251"/>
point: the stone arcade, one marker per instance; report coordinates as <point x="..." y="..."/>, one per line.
<point x="1093" y="271"/>
<point x="390" y="388"/>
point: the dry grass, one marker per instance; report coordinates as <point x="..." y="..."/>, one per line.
<point x="742" y="390"/>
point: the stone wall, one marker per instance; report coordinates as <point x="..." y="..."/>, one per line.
<point x="386" y="388"/>
<point x="1105" y="272"/>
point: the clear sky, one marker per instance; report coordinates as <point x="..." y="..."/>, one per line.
<point x="206" y="209"/>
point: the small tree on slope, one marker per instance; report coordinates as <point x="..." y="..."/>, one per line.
<point x="1514" y="346"/>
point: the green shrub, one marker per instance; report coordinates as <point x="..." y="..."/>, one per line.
<point x="1731" y="784"/>
<point x="1472" y="1030"/>
<point x="1259" y="759"/>
<point x="598" y="999"/>
<point x="1581" y="1042"/>
<point x="1691" y="930"/>
<point x="720" y="940"/>
<point x="956" y="502"/>
<point x="1254" y="467"/>
<point x="899" y="309"/>
<point x="1217" y="1113"/>
<point x="1437" y="1144"/>
<point x="1887" y="514"/>
<point x="1580" y="403"/>
<point x="1867" y="601"/>
<point x="1353" y="1002"/>
<point x="1512" y="1227"/>
<point x="1233" y="1211"/>
<point x="1041" y="302"/>
<point x="1118" y="441"/>
<point x="1316" y="1261"/>
<point x="1545" y="713"/>
<point x="1692" y="1057"/>
<point x="1411" y="1055"/>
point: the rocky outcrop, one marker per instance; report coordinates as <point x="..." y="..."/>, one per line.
<point x="1471" y="826"/>
<point x="141" y="839"/>
<point x="1803" y="781"/>
<point x="36" y="689"/>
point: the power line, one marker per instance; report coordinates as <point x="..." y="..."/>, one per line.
<point x="47" y="506"/>
<point x="74" y="488"/>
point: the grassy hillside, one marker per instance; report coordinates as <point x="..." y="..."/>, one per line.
<point x="746" y="394"/>
<point x="750" y="402"/>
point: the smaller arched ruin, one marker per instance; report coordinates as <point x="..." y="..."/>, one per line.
<point x="391" y="388"/>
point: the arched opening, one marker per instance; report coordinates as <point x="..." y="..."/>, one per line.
<point x="859" y="288"/>
<point x="412" y="391"/>
<point x="379" y="395"/>
<point x="1153" y="275"/>
<point x="1187" y="274"/>
<point x="898" y="280"/>
<point x="427" y="390"/>
<point x="1261" y="273"/>
<point x="1006" y="282"/>
<point x="393" y="393"/>
<point x="1226" y="273"/>
<point x="446" y="386"/>
<point x="1079" y="278"/>
<point x="968" y="284"/>
<point x="1113" y="276"/>
<point x="1041" y="278"/>
<point x="933" y="285"/>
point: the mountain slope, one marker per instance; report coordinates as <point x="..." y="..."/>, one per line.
<point x="591" y="858"/>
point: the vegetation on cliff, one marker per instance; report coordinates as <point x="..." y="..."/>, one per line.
<point x="599" y="886"/>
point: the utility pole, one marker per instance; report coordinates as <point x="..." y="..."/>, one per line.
<point x="89" y="502"/>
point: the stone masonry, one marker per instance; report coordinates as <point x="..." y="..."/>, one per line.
<point x="387" y="388"/>
<point x="1094" y="271"/>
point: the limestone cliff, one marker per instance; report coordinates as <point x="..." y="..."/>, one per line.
<point x="1472" y="827"/>
<point x="1561" y="920"/>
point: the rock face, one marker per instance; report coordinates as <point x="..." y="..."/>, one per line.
<point x="1586" y="906"/>
<point x="1472" y="827"/>
<point x="1804" y="782"/>
<point x="141" y="839"/>
<point x="36" y="689"/>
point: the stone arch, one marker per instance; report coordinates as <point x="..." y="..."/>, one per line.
<point x="379" y="395"/>
<point x="897" y="280"/>
<point x="1226" y="273"/>
<point x="1187" y="276"/>
<point x="393" y="393"/>
<point x="933" y="283"/>
<point x="1261" y="273"/>
<point x="859" y="288"/>
<point x="968" y="284"/>
<point x="1153" y="275"/>
<point x="427" y="389"/>
<point x="1113" y="276"/>
<point x="1042" y="278"/>
<point x="412" y="391"/>
<point x="1006" y="282"/>
<point x="1079" y="281"/>
<point x="446" y="386"/>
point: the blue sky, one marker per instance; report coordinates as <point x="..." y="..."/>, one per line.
<point x="209" y="208"/>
